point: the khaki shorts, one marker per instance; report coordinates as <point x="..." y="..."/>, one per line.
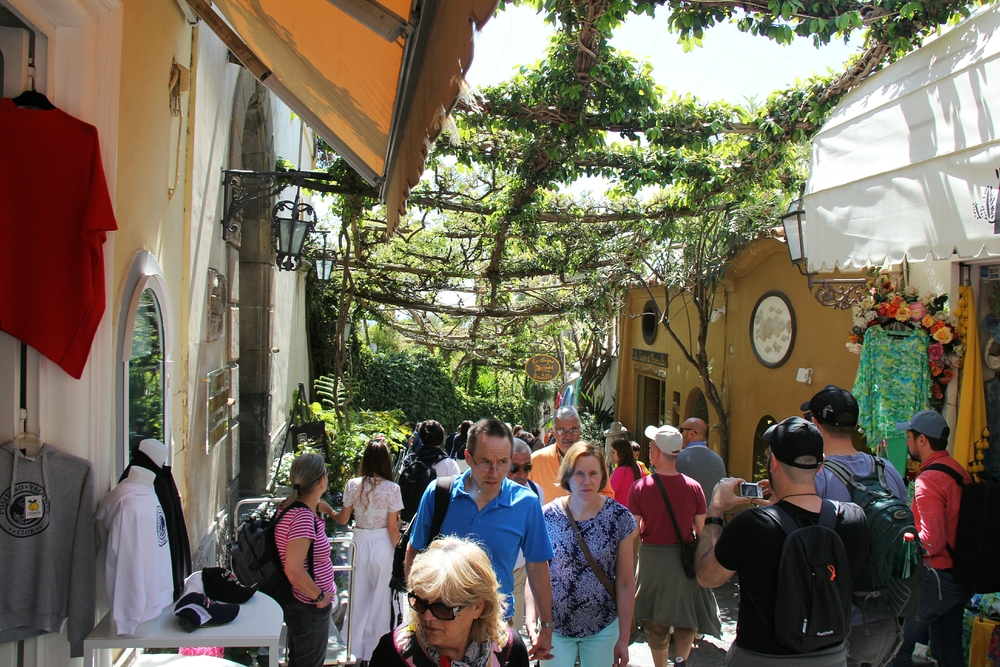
<point x="657" y="635"/>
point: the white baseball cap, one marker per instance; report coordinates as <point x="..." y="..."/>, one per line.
<point x="667" y="438"/>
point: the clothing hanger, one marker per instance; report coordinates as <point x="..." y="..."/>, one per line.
<point x="32" y="99"/>
<point x="897" y="328"/>
<point x="28" y="442"/>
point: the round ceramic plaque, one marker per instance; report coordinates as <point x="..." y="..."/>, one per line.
<point x="772" y="329"/>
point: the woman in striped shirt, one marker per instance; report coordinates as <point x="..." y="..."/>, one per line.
<point x="305" y="555"/>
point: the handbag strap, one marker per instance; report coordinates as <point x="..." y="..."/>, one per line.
<point x="594" y="565"/>
<point x="666" y="499"/>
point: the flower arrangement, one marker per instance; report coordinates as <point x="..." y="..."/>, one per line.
<point x="890" y="302"/>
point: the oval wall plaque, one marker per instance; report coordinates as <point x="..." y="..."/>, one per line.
<point x="542" y="368"/>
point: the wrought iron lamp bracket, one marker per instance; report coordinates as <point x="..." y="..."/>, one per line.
<point x="839" y="293"/>
<point x="243" y="186"/>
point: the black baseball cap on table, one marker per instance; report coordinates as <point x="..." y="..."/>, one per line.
<point x="794" y="437"/>
<point x="833" y="406"/>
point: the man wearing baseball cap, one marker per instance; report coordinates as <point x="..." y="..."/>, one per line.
<point x="666" y="596"/>
<point x="834" y="412"/>
<point x="751" y="544"/>
<point x="936" y="501"/>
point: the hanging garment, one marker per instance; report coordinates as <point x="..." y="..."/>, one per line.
<point x="137" y="572"/>
<point x="48" y="543"/>
<point x="173" y="512"/>
<point x="893" y="381"/>
<point x="982" y="632"/>
<point x="55" y="213"/>
<point x="972" y="400"/>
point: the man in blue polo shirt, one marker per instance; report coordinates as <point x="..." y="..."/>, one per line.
<point x="504" y="517"/>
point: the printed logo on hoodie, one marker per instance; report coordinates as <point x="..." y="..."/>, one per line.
<point x="161" y="527"/>
<point x="25" y="512"/>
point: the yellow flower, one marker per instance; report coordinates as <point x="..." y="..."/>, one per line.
<point x="942" y="335"/>
<point x="903" y="313"/>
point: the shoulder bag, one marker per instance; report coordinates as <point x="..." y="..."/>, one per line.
<point x="594" y="565"/>
<point x="688" y="549"/>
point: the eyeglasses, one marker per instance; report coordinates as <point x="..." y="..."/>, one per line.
<point x="568" y="431"/>
<point x="517" y="467"/>
<point x="439" y="610"/>
<point x="685" y="428"/>
<point x="489" y="466"/>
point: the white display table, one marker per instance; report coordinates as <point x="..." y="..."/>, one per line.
<point x="259" y="624"/>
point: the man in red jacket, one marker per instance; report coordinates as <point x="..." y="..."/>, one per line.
<point x="936" y="502"/>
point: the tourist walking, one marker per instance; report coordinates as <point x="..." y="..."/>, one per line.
<point x="566" y="426"/>
<point x="593" y="581"/>
<point x="457" y="614"/>
<point x="305" y="555"/>
<point x="668" y="596"/>
<point x="375" y="501"/>
<point x="626" y="472"/>
<point x="697" y="460"/>
<point x="937" y="499"/>
<point x="520" y="468"/>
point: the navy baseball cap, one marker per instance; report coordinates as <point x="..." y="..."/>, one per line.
<point x="794" y="437"/>
<point x="926" y="422"/>
<point x="833" y="406"/>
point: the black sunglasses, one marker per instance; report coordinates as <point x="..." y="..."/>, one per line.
<point x="439" y="610"/>
<point x="516" y="467"/>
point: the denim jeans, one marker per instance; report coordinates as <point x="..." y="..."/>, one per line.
<point x="941" y="605"/>
<point x="308" y="633"/>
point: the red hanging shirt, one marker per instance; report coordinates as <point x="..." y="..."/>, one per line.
<point x="54" y="215"/>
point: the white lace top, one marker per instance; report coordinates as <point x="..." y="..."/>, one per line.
<point x="371" y="506"/>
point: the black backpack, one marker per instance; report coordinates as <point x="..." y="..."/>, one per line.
<point x="415" y="474"/>
<point x="254" y="557"/>
<point x="814" y="583"/>
<point x="442" y="498"/>
<point x="978" y="540"/>
<point x="877" y="589"/>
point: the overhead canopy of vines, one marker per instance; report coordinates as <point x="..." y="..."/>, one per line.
<point x="495" y="257"/>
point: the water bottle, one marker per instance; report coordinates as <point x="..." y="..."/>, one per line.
<point x="906" y="559"/>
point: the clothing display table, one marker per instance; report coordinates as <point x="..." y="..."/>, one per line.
<point x="259" y="624"/>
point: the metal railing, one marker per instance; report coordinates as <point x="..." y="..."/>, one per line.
<point x="348" y="543"/>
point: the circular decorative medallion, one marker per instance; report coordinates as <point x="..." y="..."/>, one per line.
<point x="772" y="329"/>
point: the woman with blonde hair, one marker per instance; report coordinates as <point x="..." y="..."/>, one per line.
<point x="593" y="572"/>
<point x="305" y="555"/>
<point x="457" y="613"/>
<point x="375" y="501"/>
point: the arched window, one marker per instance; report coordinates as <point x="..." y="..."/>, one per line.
<point x="760" y="448"/>
<point x="143" y="377"/>
<point x="697" y="406"/>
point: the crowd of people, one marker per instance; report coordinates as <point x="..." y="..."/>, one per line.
<point x="579" y="546"/>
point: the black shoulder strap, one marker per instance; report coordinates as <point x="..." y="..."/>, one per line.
<point x="827" y="516"/>
<point x="312" y="543"/>
<point x="666" y="499"/>
<point x="940" y="467"/>
<point x="442" y="498"/>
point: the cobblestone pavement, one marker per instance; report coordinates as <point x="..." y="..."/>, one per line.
<point x="709" y="651"/>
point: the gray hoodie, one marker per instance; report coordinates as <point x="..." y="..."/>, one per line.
<point x="48" y="540"/>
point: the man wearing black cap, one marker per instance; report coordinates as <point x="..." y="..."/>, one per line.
<point x="751" y="545"/>
<point x="936" y="501"/>
<point x="834" y="411"/>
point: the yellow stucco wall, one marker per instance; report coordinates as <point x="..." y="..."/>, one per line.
<point x="751" y="389"/>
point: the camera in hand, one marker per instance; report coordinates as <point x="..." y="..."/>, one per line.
<point x="750" y="490"/>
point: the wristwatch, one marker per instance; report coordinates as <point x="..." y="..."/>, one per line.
<point x="714" y="521"/>
<point x="543" y="624"/>
<point x="322" y="596"/>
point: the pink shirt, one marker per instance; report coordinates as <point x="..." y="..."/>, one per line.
<point x="686" y="498"/>
<point x="302" y="522"/>
<point x="621" y="483"/>
<point x="936" y="501"/>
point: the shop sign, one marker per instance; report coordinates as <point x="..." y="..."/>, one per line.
<point x="542" y="368"/>
<point x="650" y="357"/>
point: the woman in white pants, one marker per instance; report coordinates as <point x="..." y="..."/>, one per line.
<point x="375" y="500"/>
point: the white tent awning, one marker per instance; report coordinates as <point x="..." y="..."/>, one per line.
<point x="906" y="166"/>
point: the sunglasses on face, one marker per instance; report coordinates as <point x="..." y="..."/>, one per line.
<point x="517" y="467"/>
<point x="439" y="610"/>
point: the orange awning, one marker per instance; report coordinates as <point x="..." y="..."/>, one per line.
<point x="379" y="104"/>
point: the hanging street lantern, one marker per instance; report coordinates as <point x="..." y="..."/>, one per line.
<point x="291" y="231"/>
<point x="326" y="261"/>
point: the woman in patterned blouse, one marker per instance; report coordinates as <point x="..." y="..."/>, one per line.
<point x="586" y="616"/>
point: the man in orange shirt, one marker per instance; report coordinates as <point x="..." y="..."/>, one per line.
<point x="936" y="501"/>
<point x="545" y="462"/>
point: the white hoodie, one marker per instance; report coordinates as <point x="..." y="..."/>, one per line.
<point x="138" y="571"/>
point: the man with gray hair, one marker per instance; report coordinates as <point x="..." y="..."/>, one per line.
<point x="545" y="462"/>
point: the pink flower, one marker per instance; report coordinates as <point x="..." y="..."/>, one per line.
<point x="935" y="351"/>
<point x="917" y="311"/>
